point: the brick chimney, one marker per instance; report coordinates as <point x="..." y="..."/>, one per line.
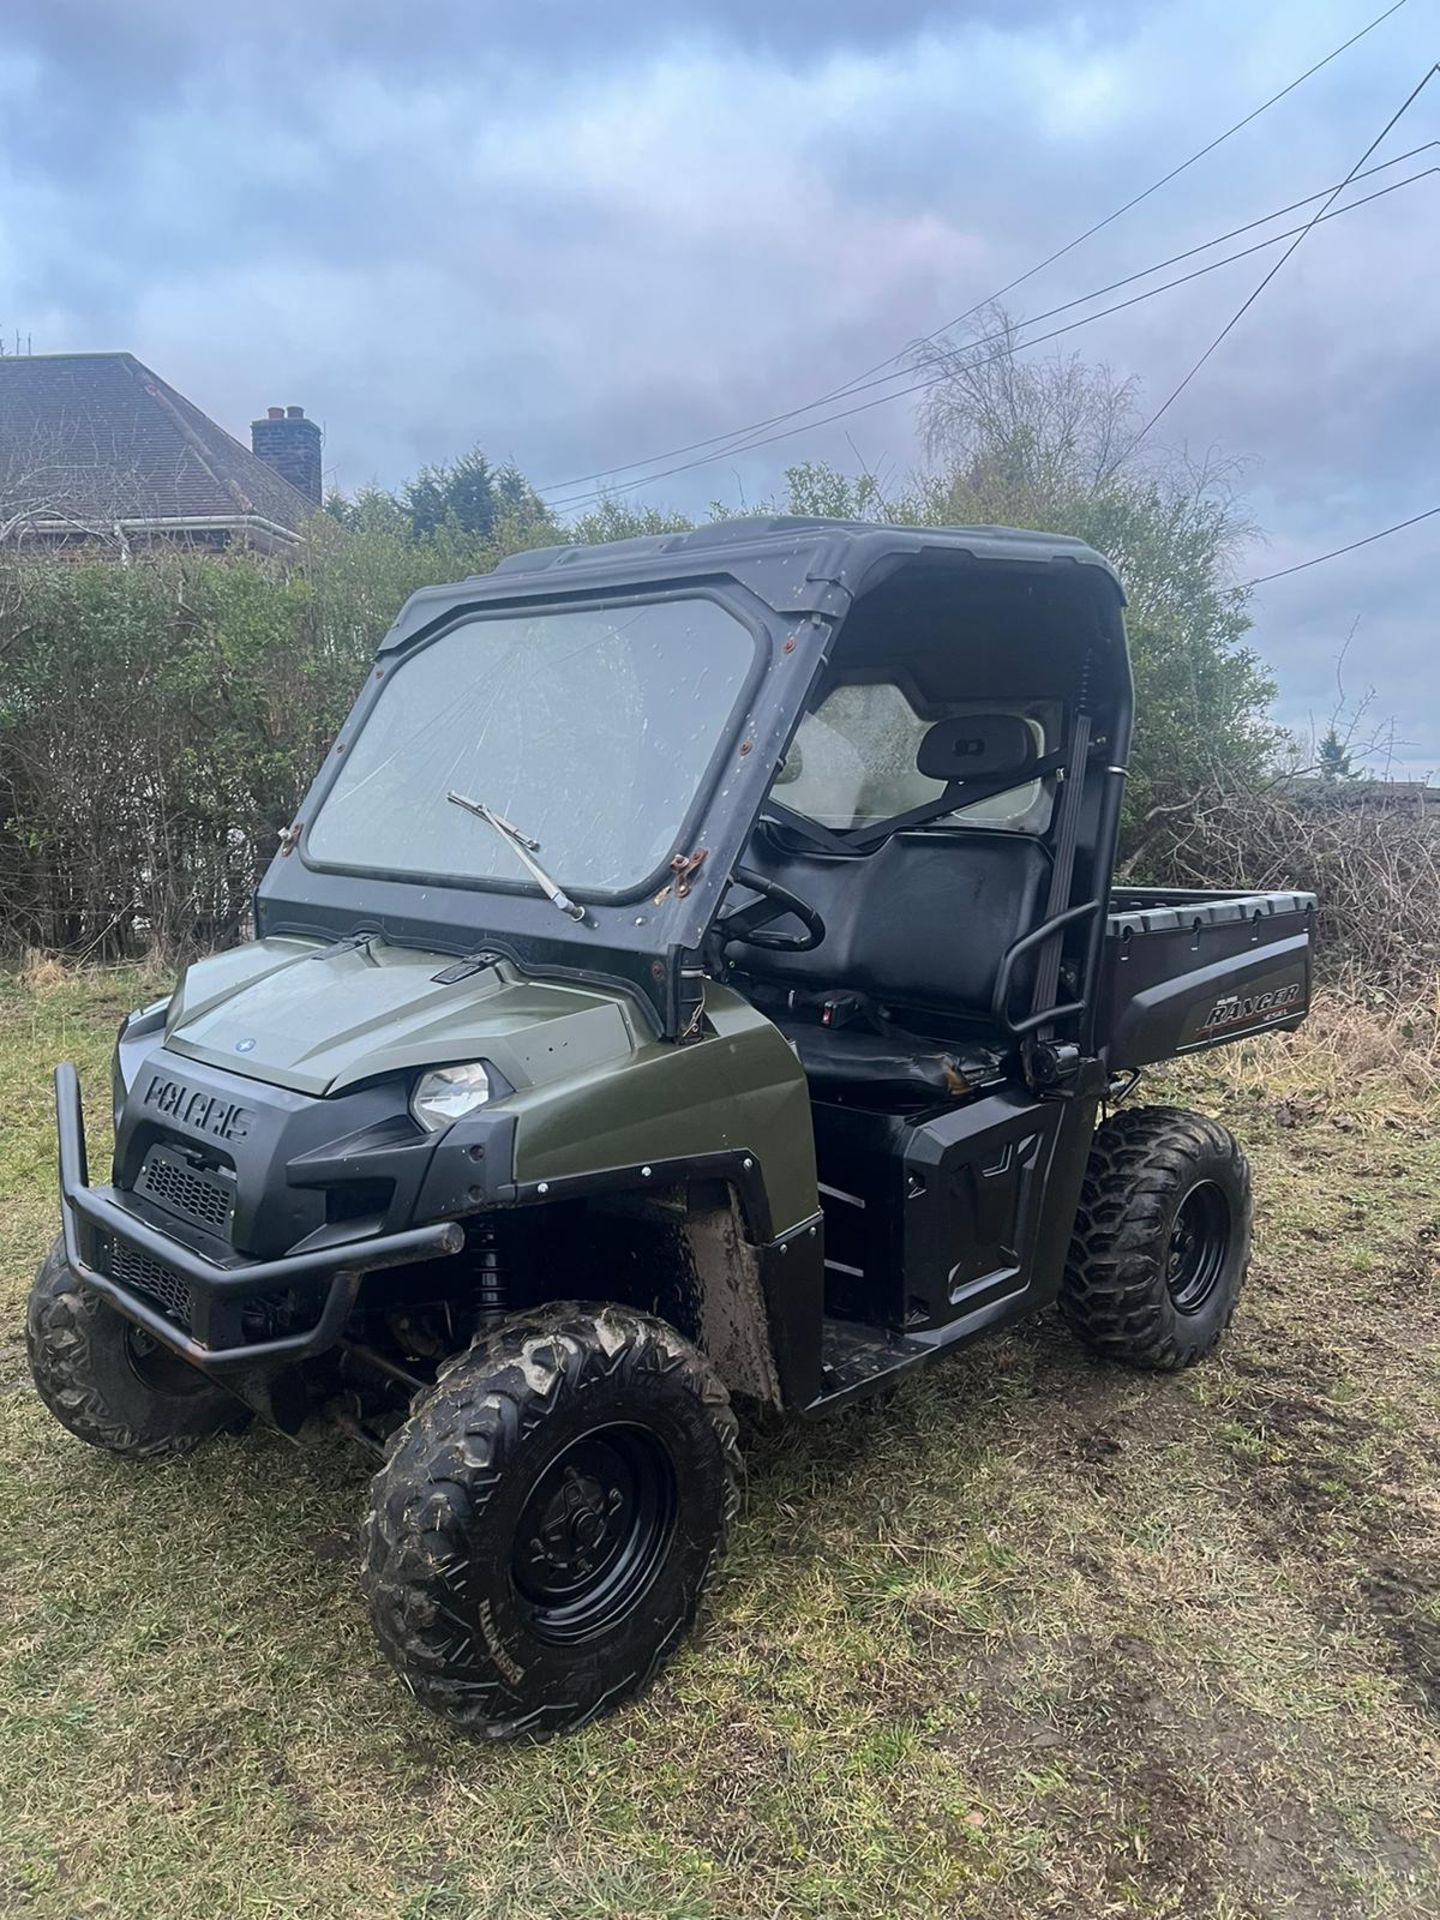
<point x="288" y="442"/>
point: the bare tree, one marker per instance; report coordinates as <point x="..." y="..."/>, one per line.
<point x="1047" y="427"/>
<point x="59" y="482"/>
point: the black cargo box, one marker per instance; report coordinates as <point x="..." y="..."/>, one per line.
<point x="1185" y="970"/>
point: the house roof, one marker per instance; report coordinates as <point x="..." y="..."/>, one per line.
<point x="135" y="445"/>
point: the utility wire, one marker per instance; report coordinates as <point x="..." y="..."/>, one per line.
<point x="1255" y="293"/>
<point x="1164" y="181"/>
<point x="934" y="378"/>
<point x="1067" y="306"/>
<point x="1335" y="552"/>
<point x="755" y="426"/>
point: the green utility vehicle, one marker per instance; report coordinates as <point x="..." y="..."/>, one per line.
<point x="695" y="972"/>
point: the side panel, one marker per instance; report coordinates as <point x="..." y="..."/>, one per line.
<point x="928" y="1222"/>
<point x="740" y="1089"/>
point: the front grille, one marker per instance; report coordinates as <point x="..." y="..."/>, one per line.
<point x="189" y="1192"/>
<point x="141" y="1274"/>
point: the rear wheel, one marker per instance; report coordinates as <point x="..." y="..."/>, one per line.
<point x="108" y="1381"/>
<point x="1162" y="1238"/>
<point x="549" y="1519"/>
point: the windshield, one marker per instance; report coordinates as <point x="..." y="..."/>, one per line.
<point x="590" y="730"/>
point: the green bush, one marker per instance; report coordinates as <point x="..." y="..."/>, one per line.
<point x="161" y="719"/>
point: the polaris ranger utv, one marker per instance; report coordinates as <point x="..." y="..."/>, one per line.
<point x="694" y="972"/>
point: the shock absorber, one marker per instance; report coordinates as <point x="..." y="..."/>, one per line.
<point x="492" y="1275"/>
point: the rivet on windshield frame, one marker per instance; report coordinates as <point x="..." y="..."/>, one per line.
<point x="745" y="746"/>
<point x="339" y="746"/>
<point x="657" y="969"/>
<point x="789" y="646"/>
<point x="379" y="673"/>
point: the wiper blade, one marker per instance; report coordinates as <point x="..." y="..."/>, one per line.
<point x="522" y="846"/>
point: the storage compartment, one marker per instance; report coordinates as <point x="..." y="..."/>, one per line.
<point x="1183" y="970"/>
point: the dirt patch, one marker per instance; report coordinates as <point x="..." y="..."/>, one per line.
<point x="1193" y="1786"/>
<point x="184" y="1762"/>
<point x="341" y="1545"/>
<point x="1332" y="1483"/>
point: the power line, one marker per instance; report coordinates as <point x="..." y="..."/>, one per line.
<point x="1110" y="218"/>
<point x="1335" y="552"/>
<point x="1255" y="293"/>
<point x="1050" y="313"/>
<point x="572" y="501"/>
<point x="756" y="426"/>
<point x="1067" y="306"/>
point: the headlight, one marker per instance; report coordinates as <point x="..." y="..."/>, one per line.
<point x="449" y="1094"/>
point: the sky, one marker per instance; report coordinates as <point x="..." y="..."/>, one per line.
<point x="582" y="234"/>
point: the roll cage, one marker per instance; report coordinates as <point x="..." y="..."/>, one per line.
<point x="813" y="593"/>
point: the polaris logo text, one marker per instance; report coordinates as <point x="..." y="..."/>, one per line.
<point x="1234" y="1008"/>
<point x="206" y="1112"/>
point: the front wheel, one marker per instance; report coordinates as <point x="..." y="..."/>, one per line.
<point x="108" y="1382"/>
<point x="1162" y="1238"/>
<point x="550" y="1518"/>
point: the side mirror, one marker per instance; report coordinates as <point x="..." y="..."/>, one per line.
<point x="977" y="746"/>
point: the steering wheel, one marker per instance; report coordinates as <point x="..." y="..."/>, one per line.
<point x="774" y="902"/>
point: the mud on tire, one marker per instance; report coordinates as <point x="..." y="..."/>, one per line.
<point x="550" y="1518"/>
<point x="1161" y="1240"/>
<point x="109" y="1383"/>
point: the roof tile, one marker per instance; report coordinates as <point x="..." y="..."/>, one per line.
<point x="153" y="454"/>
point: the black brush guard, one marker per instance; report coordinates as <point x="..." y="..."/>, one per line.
<point x="341" y="1267"/>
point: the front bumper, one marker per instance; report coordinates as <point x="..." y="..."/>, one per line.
<point x="331" y="1274"/>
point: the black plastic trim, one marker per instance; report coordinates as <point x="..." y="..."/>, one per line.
<point x="792" y="1280"/>
<point x="734" y="1164"/>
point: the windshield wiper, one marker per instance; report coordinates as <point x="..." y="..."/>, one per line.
<point x="522" y="846"/>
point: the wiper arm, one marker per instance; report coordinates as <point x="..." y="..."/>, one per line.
<point x="522" y="846"/>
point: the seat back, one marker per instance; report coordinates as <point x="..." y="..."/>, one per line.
<point x="921" y="923"/>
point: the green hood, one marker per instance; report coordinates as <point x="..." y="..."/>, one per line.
<point x="592" y="1088"/>
<point x="318" y="1018"/>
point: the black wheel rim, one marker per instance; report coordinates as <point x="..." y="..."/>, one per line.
<point x="594" y="1532"/>
<point x="158" y="1369"/>
<point x="1199" y="1247"/>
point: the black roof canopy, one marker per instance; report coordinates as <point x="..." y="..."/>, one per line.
<point x="788" y="562"/>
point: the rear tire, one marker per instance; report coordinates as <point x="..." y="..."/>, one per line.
<point x="550" y="1518"/>
<point x="1161" y="1240"/>
<point x="108" y="1382"/>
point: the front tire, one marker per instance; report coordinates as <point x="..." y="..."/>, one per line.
<point x="550" y="1518"/>
<point x="108" y="1382"/>
<point x="1162" y="1238"/>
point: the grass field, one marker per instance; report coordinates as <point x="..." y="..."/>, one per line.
<point x="1036" y="1637"/>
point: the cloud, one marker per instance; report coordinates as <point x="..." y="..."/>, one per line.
<point x="582" y="234"/>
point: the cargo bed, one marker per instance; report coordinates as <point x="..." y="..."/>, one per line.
<point x="1187" y="969"/>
